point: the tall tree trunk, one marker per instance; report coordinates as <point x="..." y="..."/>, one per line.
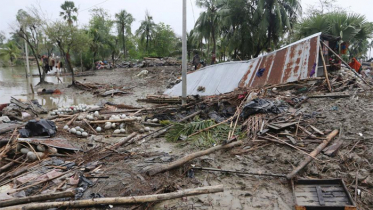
<point x="69" y="67"/>
<point x="113" y="57"/>
<point x="147" y="42"/>
<point x="124" y="44"/>
<point x="81" y="61"/>
<point x="37" y="62"/>
<point x="67" y="61"/>
<point x="94" y="58"/>
<point x="213" y="40"/>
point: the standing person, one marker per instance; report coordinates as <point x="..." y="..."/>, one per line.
<point x="196" y="61"/>
<point x="213" y="58"/>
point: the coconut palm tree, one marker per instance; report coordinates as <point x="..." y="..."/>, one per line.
<point x="124" y="21"/>
<point x="208" y="21"/>
<point x="10" y="51"/>
<point x="146" y="29"/>
<point x="352" y="28"/>
<point x="68" y="12"/>
<point x="275" y="18"/>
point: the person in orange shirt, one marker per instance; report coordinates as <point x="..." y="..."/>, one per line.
<point x="355" y="65"/>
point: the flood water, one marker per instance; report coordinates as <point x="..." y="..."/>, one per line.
<point x="13" y="83"/>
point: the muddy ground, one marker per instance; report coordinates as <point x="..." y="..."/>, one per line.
<point x="352" y="115"/>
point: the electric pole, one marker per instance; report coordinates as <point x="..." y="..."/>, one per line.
<point x="184" y="57"/>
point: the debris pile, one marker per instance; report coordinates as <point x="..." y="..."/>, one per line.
<point x="108" y="155"/>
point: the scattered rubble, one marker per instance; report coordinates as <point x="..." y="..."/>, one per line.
<point x="140" y="156"/>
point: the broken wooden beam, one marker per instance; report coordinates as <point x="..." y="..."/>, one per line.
<point x="36" y="198"/>
<point x="119" y="200"/>
<point x="333" y="149"/>
<point x="313" y="155"/>
<point x="158" y="168"/>
<point x="331" y="95"/>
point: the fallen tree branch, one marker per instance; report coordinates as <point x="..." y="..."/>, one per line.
<point x="123" y="141"/>
<point x="313" y="154"/>
<point x="238" y="172"/>
<point x="166" y="167"/>
<point x="30" y="199"/>
<point x="120" y="200"/>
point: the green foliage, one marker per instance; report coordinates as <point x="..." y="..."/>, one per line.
<point x="10" y="52"/>
<point x="124" y="21"/>
<point x="351" y="27"/>
<point x="68" y="12"/>
<point x="2" y="38"/>
<point x="165" y="40"/>
<point x="100" y="26"/>
<point x="204" y="139"/>
<point x="146" y="31"/>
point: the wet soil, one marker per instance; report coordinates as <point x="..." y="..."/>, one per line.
<point x="353" y="116"/>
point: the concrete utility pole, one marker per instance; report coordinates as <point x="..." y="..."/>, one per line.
<point x="27" y="62"/>
<point x="184" y="57"/>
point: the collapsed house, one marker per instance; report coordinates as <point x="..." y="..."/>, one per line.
<point x="293" y="130"/>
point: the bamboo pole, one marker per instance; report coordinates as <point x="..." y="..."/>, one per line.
<point x="313" y="154"/>
<point x="325" y="70"/>
<point x="122" y="141"/>
<point x="43" y="197"/>
<point x="165" y="167"/>
<point x="120" y="200"/>
<point x="90" y="127"/>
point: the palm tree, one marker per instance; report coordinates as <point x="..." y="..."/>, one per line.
<point x="208" y="23"/>
<point x="10" y="51"/>
<point x="124" y="21"/>
<point x="146" y="29"/>
<point x="352" y="28"/>
<point x="68" y="9"/>
<point x="276" y="17"/>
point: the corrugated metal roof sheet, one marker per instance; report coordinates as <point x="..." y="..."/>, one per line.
<point x="293" y="62"/>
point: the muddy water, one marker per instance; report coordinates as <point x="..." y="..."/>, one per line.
<point x="13" y="83"/>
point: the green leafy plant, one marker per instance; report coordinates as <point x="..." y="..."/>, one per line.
<point x="204" y="139"/>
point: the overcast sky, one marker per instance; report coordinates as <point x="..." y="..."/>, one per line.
<point x="167" y="11"/>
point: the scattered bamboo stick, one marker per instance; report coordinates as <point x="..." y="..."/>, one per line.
<point x="90" y="127"/>
<point x="290" y="145"/>
<point x="213" y="126"/>
<point x="43" y="197"/>
<point x="37" y="183"/>
<point x="165" y="167"/>
<point x="313" y="154"/>
<point x="120" y="200"/>
<point x="238" y="172"/>
<point x="10" y="164"/>
<point x="72" y="120"/>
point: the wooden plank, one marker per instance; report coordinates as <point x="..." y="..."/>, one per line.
<point x="326" y="200"/>
<point x="324" y="189"/>
<point x="320" y="196"/>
